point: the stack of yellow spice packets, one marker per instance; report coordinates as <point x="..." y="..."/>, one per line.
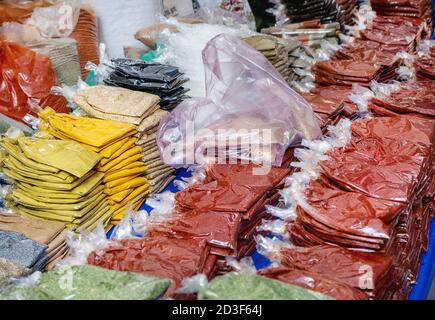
<point x="137" y="108"/>
<point x="56" y="180"/>
<point x="125" y="185"/>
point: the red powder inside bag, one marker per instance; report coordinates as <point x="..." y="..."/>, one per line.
<point x="26" y="78"/>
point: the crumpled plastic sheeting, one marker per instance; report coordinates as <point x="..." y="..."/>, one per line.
<point x="238" y="89"/>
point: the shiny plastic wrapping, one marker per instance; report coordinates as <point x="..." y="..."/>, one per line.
<point x="27" y="78"/>
<point x="234" y="104"/>
<point x="370" y="197"/>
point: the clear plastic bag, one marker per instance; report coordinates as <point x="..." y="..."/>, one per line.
<point x="229" y="13"/>
<point x="26" y="79"/>
<point x="193" y="285"/>
<point x="246" y="97"/>
<point x="81" y="245"/>
<point x="406" y="72"/>
<point x="361" y="96"/>
<point x="57" y="21"/>
<point x="244" y="266"/>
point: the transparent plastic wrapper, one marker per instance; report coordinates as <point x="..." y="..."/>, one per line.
<point x="193" y="285"/>
<point x="363" y="19"/>
<point x="132" y="226"/>
<point x="81" y="245"/>
<point x="224" y="12"/>
<point x="406" y="72"/>
<point x="275" y="227"/>
<point x="327" y="50"/>
<point x="424" y="47"/>
<point x="101" y="71"/>
<point x="26" y="79"/>
<point x="22" y="286"/>
<point x="271" y="247"/>
<point x="199" y="282"/>
<point x="361" y="96"/>
<point x="384" y="90"/>
<point x="244" y="266"/>
<point x="238" y="89"/>
<point x="198" y="176"/>
<point x="57" y="21"/>
<point x="293" y="195"/>
<point x="20" y="33"/>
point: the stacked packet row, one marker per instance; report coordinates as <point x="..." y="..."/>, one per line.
<point x="48" y="187"/>
<point x="292" y="67"/>
<point x="274" y="50"/>
<point x="326" y="11"/>
<point x="370" y="198"/>
<point x="51" y="234"/>
<point x="120" y="164"/>
<point x="211" y="221"/>
<point x="373" y="55"/>
<point x="137" y="108"/>
<point x="410" y="99"/>
<point x="64" y="58"/>
<point x="309" y="33"/>
<point x="421" y="9"/>
<point x="425" y="64"/>
<point x="161" y="80"/>
<point x="331" y="103"/>
<point x="87" y="37"/>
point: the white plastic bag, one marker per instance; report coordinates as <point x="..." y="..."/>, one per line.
<point x="119" y="21"/>
<point x="183" y="49"/>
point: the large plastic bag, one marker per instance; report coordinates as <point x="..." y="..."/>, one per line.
<point x="244" y="91"/>
<point x="26" y="78"/>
